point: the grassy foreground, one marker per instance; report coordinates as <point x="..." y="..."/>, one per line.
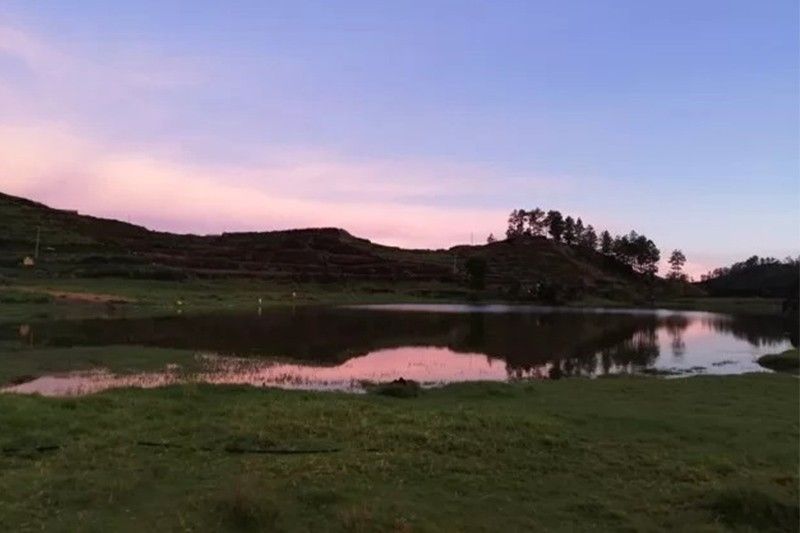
<point x="696" y="454"/>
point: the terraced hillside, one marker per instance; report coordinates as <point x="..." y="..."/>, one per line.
<point x="77" y="245"/>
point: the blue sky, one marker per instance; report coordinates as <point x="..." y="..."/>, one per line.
<point x="412" y="123"/>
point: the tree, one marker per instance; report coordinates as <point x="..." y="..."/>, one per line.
<point x="646" y="255"/>
<point x="622" y="248"/>
<point x="536" y="222"/>
<point x="555" y="224"/>
<point x="491" y="238"/>
<point x="579" y="229"/>
<point x="676" y="262"/>
<point x="750" y="263"/>
<point x="516" y="223"/>
<point x="606" y="242"/>
<point x="569" y="230"/>
<point x="637" y="251"/>
<point x="476" y="272"/>
<point x="589" y="238"/>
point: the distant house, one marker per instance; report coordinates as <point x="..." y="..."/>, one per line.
<point x="28" y="262"/>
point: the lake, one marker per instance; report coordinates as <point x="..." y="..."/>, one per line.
<point x="341" y="348"/>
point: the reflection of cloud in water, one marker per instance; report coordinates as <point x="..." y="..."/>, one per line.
<point x="423" y="364"/>
<point x="696" y="329"/>
<point x="430" y="366"/>
<point x="79" y="383"/>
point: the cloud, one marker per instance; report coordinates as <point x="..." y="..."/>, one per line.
<point x="34" y="53"/>
<point x="82" y="129"/>
<point x="129" y="68"/>
<point x="57" y="165"/>
<point x="111" y="90"/>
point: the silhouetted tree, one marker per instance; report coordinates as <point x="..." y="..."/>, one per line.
<point x="676" y="262"/>
<point x="606" y="242"/>
<point x="589" y="238"/>
<point x="516" y="223"/>
<point x="637" y="251"/>
<point x="491" y="238"/>
<point x="569" y="230"/>
<point x="647" y="256"/>
<point x="536" y="222"/>
<point x="749" y="263"/>
<point x="555" y="225"/>
<point x="622" y="249"/>
<point x="579" y="229"/>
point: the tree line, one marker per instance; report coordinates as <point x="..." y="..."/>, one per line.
<point x="632" y="249"/>
<point x="752" y="263"/>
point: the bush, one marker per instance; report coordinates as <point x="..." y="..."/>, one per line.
<point x="788" y="361"/>
<point x="399" y="388"/>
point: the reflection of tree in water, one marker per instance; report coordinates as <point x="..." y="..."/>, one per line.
<point x="758" y="330"/>
<point x="675" y="326"/>
<point x="638" y="350"/>
<point x="563" y="344"/>
<point x="530" y="343"/>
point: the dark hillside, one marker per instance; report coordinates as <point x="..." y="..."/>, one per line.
<point x="525" y="263"/>
<point x="77" y="245"/>
<point x="779" y="280"/>
<point x="84" y="246"/>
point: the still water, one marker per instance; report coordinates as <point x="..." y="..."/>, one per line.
<point x="341" y="348"/>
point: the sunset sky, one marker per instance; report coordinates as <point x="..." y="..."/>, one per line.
<point x="416" y="123"/>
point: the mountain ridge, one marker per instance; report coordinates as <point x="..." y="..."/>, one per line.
<point x="78" y="245"/>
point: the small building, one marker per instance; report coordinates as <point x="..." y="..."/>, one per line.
<point x="28" y="262"/>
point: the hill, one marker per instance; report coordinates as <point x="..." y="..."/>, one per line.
<point x="754" y="277"/>
<point x="77" y="245"/>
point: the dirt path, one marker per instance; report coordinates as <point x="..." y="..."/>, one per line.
<point x="82" y="297"/>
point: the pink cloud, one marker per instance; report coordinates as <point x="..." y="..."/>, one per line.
<point x="53" y="164"/>
<point x="62" y="160"/>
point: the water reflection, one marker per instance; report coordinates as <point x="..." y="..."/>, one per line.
<point x="337" y="348"/>
<point x="429" y="366"/>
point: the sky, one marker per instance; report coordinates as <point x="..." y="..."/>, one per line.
<point x="413" y="123"/>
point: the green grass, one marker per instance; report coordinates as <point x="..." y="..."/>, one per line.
<point x="30" y="298"/>
<point x="788" y="361"/>
<point x="636" y="454"/>
<point x="17" y="297"/>
<point x="18" y="364"/>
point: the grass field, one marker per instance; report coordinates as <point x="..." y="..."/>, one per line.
<point x="31" y="299"/>
<point x="20" y="364"/>
<point x="636" y="454"/>
<point x="41" y="299"/>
